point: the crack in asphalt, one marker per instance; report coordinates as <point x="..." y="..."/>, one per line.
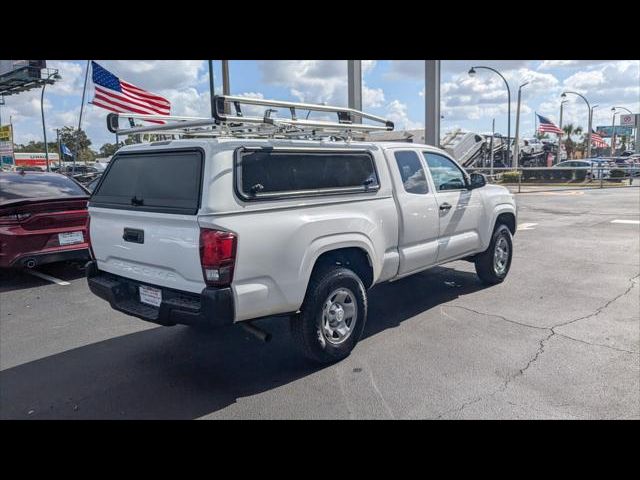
<point x="541" y="344"/>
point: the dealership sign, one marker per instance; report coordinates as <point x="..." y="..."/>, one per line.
<point x="607" y="132"/>
<point x="629" y="120"/>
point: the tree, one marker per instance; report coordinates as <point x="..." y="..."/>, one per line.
<point x="108" y="149"/>
<point x="36" y="147"/>
<point x="569" y="144"/>
<point x="69" y="136"/>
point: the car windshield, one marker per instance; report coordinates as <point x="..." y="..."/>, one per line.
<point x="16" y="186"/>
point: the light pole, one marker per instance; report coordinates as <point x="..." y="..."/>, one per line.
<point x="564" y="95"/>
<point x="590" y="128"/>
<point x="516" y="147"/>
<point x="211" y="87"/>
<point x="472" y="73"/>
<point x="55" y="76"/>
<point x="613" y="127"/>
<point x="560" y="137"/>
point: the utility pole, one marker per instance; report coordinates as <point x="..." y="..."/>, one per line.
<point x="226" y="85"/>
<point x="516" y="147"/>
<point x="560" y="135"/>
<point x="613" y="132"/>
<point x="432" y="102"/>
<point x="84" y="91"/>
<point x="212" y="91"/>
<point x="354" y="86"/>
<point x="493" y="134"/>
<point x="60" y="156"/>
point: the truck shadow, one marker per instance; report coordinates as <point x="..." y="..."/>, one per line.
<point x="179" y="373"/>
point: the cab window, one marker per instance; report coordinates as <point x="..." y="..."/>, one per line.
<point x="414" y="179"/>
<point x="446" y="174"/>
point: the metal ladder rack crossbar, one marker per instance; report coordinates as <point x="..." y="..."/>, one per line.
<point x="240" y="125"/>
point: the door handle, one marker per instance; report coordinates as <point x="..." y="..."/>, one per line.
<point x="445" y="207"/>
<point x="133" y="235"/>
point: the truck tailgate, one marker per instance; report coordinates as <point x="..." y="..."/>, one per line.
<point x="149" y="247"/>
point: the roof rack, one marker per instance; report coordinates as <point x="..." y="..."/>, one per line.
<point x="237" y="124"/>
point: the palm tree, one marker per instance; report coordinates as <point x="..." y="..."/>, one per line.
<point x="569" y="144"/>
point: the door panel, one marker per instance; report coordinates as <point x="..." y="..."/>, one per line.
<point x="417" y="210"/>
<point x="459" y="210"/>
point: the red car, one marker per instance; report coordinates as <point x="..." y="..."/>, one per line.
<point x="43" y="219"/>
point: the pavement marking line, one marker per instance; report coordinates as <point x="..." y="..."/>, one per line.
<point x="47" y="277"/>
<point x="527" y="226"/>
<point x="632" y="222"/>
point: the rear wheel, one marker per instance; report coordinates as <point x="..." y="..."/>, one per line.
<point x="493" y="264"/>
<point x="332" y="316"/>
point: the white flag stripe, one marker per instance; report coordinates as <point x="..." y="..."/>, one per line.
<point x="112" y="96"/>
<point x="150" y="103"/>
<point x="143" y="92"/>
<point x="125" y="107"/>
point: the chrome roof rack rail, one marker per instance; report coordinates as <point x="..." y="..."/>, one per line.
<point x="225" y="124"/>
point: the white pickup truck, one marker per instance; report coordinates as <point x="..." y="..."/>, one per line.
<point x="222" y="231"/>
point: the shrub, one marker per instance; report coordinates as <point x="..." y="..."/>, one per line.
<point x="510" y="176"/>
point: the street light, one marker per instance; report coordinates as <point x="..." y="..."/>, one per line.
<point x="558" y="160"/>
<point x="613" y="127"/>
<point x="516" y="147"/>
<point x="472" y="73"/>
<point x="564" y="95"/>
<point x="55" y="76"/>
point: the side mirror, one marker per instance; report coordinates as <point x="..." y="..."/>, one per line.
<point x="477" y="180"/>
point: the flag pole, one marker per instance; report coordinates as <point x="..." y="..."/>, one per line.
<point x="84" y="90"/>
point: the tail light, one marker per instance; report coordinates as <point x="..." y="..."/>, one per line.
<point x="14" y="218"/>
<point x="93" y="256"/>
<point x="217" y="256"/>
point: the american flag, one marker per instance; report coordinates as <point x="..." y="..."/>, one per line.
<point x="547" y="126"/>
<point x="123" y="97"/>
<point x="597" y="140"/>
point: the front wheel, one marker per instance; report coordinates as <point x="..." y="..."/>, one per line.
<point x="493" y="264"/>
<point x="332" y="316"/>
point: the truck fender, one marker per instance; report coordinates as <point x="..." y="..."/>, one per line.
<point x="334" y="242"/>
<point x="497" y="210"/>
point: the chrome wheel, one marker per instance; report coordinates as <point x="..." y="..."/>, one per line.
<point x="501" y="256"/>
<point x="339" y="314"/>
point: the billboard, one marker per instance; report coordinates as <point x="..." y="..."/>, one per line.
<point x="6" y="145"/>
<point x="20" y="75"/>
<point x="607" y="131"/>
<point x="8" y="66"/>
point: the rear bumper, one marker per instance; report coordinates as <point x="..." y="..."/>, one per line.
<point x="78" y="254"/>
<point x="213" y="307"/>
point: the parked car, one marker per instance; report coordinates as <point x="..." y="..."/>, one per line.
<point x="43" y="219"/>
<point x="91" y="186"/>
<point x="595" y="168"/>
<point x="224" y="231"/>
<point x="531" y="146"/>
<point x="80" y="169"/>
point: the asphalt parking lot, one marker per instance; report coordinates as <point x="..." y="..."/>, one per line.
<point x="559" y="339"/>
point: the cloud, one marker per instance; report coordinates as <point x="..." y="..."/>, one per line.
<point x="397" y="113"/>
<point x="415" y="69"/>
<point x="569" y="64"/>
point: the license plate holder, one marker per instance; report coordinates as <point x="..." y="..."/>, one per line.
<point x="70" y="238"/>
<point x="150" y="296"/>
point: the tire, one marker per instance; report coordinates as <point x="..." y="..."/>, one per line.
<point x="331" y="289"/>
<point x="490" y="269"/>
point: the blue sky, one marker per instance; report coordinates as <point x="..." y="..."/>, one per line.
<point x="392" y="88"/>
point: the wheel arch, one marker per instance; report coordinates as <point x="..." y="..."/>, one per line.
<point x="354" y="251"/>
